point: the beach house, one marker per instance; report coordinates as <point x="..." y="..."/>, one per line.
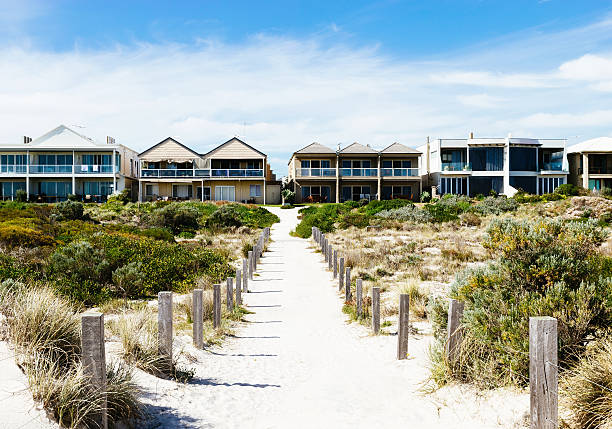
<point x="590" y="163"/>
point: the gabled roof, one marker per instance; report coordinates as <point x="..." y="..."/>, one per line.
<point x="599" y="144"/>
<point x="166" y="140"/>
<point x="358" y="148"/>
<point x="62" y="137"/>
<point x="229" y="142"/>
<point x="316" y="148"/>
<point x="399" y="148"/>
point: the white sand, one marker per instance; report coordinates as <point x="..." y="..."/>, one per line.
<point x="298" y="364"/>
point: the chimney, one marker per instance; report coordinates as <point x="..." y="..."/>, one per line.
<point x="471" y="135"/>
<point x="26" y="139"/>
<point x="110" y="140"/>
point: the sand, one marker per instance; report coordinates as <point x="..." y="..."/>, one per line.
<point x="296" y="363"/>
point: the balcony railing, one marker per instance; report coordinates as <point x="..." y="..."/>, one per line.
<point x="599" y="170"/>
<point x="94" y="169"/>
<point x="456" y="166"/>
<point x="50" y="169"/>
<point x="317" y="172"/>
<point x="399" y="172"/>
<point x="237" y="173"/>
<point x="13" y="169"/>
<point x="552" y="166"/>
<point x="359" y="172"/>
<point x="200" y="173"/>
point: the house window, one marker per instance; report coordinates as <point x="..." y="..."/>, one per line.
<point x="547" y="185"/>
<point x="182" y="191"/>
<point x="151" y="190"/>
<point x="225" y="193"/>
<point x="355" y="193"/>
<point x="487" y="158"/>
<point x="318" y="193"/>
<point x="206" y="193"/>
<point x="98" y="188"/>
<point x="255" y="191"/>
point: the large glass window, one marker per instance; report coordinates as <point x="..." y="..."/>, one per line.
<point x="548" y="185"/>
<point x="453" y="185"/>
<point x="225" y="193"/>
<point x="97" y="188"/>
<point x="484" y="185"/>
<point x="206" y="193"/>
<point x="527" y="184"/>
<point x="487" y="158"/>
<point x="255" y="190"/>
<point x="182" y="191"/>
<point x="523" y="159"/>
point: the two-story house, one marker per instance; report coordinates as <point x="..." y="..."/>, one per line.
<point x="590" y="163"/>
<point x="63" y="162"/>
<point x="233" y="171"/>
<point x="475" y="166"/>
<point x="317" y="173"/>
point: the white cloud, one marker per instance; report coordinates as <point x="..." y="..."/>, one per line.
<point x="481" y="101"/>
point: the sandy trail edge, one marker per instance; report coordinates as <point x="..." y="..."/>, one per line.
<point x="296" y="363"/>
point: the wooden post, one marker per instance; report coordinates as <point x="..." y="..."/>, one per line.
<point x="229" y="294"/>
<point x="376" y="310"/>
<point x="198" y="318"/>
<point x="330" y="259"/>
<point x="93" y="357"/>
<point x="238" y="288"/>
<point x="454" y="334"/>
<point x="403" y="326"/>
<point x="335" y="267"/>
<point x="359" y="297"/>
<point x="341" y="275"/>
<point x="245" y="275"/>
<point x="325" y="250"/>
<point x="543" y="377"/>
<point x="250" y="258"/>
<point x="347" y="294"/>
<point x="216" y="306"/>
<point x="164" y="322"/>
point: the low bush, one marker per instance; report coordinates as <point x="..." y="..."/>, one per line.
<point x="567" y="189"/>
<point x="288" y="196"/>
<point x="377" y="206"/>
<point x="235" y="215"/>
<point x="495" y="205"/>
<point x="409" y="213"/>
<point x="358" y="220"/>
<point x="177" y="217"/>
<point x="324" y="217"/>
<point x="18" y="235"/>
<point x="546" y="268"/>
<point x="163" y="234"/>
<point x="69" y="210"/>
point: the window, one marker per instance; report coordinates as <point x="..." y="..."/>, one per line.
<point x="318" y="193"/>
<point x="487" y="158"/>
<point x="206" y="193"/>
<point x="253" y="165"/>
<point x="484" y="185"/>
<point x="548" y="185"/>
<point x="305" y="163"/>
<point x="97" y="159"/>
<point x="526" y="183"/>
<point x="225" y="193"/>
<point x="97" y="188"/>
<point x="255" y="190"/>
<point x="182" y="191"/>
<point x="523" y="159"/>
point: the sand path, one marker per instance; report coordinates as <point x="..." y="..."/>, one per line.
<point x="296" y="363"/>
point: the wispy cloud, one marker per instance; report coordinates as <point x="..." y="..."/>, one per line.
<point x="281" y="94"/>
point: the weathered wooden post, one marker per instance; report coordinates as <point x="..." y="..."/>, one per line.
<point x="164" y="322"/>
<point x="403" y="326"/>
<point x="454" y="333"/>
<point x="325" y="244"/>
<point x="245" y="275"/>
<point x="250" y="258"/>
<point x="197" y="314"/>
<point x="229" y="293"/>
<point x="347" y="294"/>
<point x="543" y="377"/>
<point x="238" y="288"/>
<point x="359" y="297"/>
<point x="216" y="306"/>
<point x="93" y="357"/>
<point x="376" y="310"/>
<point x="335" y="267"/>
<point x="330" y="259"/>
<point x="341" y="275"/>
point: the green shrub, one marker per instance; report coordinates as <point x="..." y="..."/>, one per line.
<point x="358" y="220"/>
<point x="567" y="189"/>
<point x="122" y="197"/>
<point x="235" y="215"/>
<point x="377" y="206"/>
<point x="546" y="268"/>
<point x="158" y="234"/>
<point x="177" y="217"/>
<point x="69" y="210"/>
<point x="495" y="205"/>
<point x="17" y="235"/>
<point x="246" y="248"/>
<point x="324" y="217"/>
<point x="227" y="216"/>
<point x="21" y="195"/>
<point x="409" y="213"/>
<point x="425" y="197"/>
<point x="187" y="234"/>
<point x="288" y="196"/>
<point x="128" y="279"/>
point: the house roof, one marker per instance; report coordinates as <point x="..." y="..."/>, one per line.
<point x="61" y="137"/>
<point x="399" y="149"/>
<point x="358" y="148"/>
<point x="176" y="152"/>
<point x="599" y="144"/>
<point x="315" y="148"/>
<point x="219" y="149"/>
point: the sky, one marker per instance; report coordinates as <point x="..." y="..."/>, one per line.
<point x="282" y="74"/>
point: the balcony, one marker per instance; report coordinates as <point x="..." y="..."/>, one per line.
<point x="552" y="166"/>
<point x="456" y="166"/>
<point x="50" y="169"/>
<point x="94" y="169"/>
<point x="316" y="172"/>
<point x="599" y="170"/>
<point x="200" y="173"/>
<point x="359" y="172"/>
<point x="400" y="172"/>
<point x="13" y="169"/>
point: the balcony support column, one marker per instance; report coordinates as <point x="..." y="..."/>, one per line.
<point x="585" y="170"/>
<point x="378" y="192"/>
<point x="28" y="175"/>
<point x="114" y="173"/>
<point x="264" y="180"/>
<point x="202" y="195"/>
<point x="337" y="178"/>
<point x="73" y="191"/>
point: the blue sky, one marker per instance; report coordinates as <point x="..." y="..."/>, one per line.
<point x="284" y="74"/>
